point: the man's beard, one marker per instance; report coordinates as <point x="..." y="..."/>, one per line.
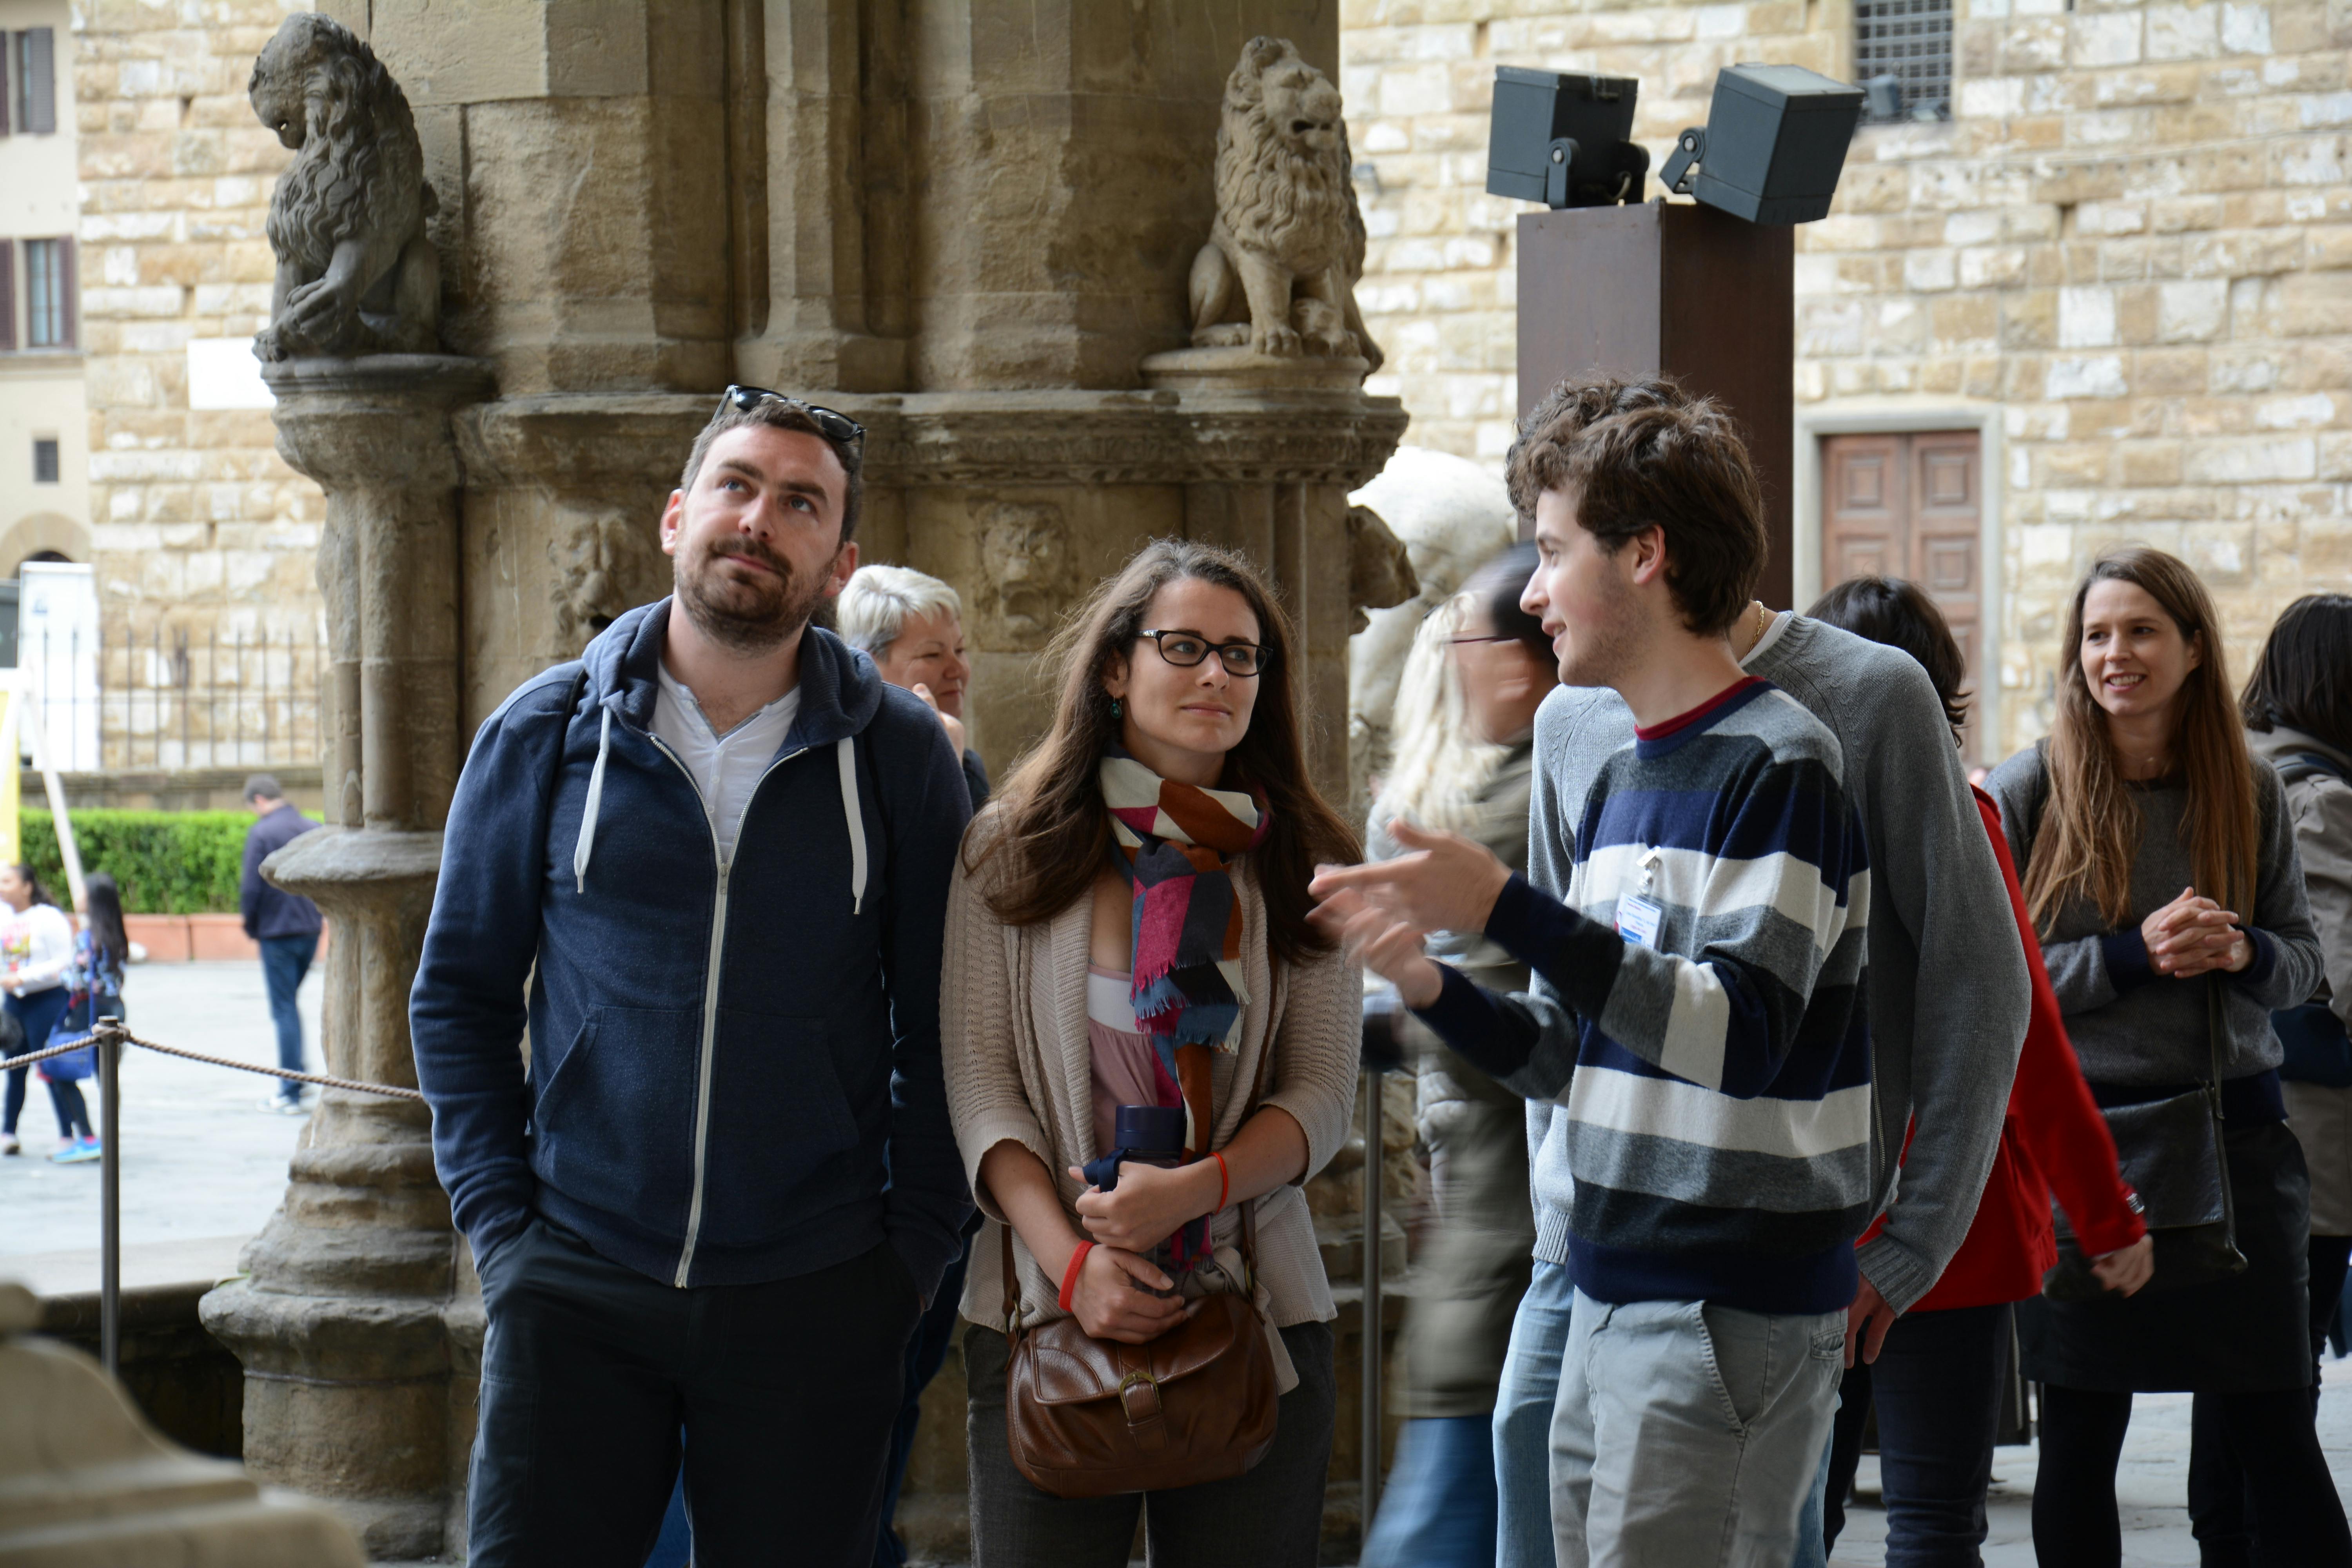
<point x="748" y="613"/>
<point x="1605" y="651"/>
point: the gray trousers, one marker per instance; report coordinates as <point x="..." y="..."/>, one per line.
<point x="1687" y="1436"/>
<point x="1270" y="1516"/>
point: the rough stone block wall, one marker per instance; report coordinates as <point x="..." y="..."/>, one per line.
<point x="2133" y="236"/>
<point x="200" y="531"/>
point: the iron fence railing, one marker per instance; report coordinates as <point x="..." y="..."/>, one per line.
<point x="119" y="697"/>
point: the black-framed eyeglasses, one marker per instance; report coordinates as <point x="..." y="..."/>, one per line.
<point x="1498" y="637"/>
<point x="830" y="423"/>
<point x="1187" y="650"/>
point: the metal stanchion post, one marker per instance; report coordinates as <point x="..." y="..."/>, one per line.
<point x="1373" y="1368"/>
<point x="110" y="1184"/>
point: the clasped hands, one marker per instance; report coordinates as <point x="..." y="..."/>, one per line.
<point x="1114" y="1298"/>
<point x="2193" y="935"/>
<point x="1379" y="911"/>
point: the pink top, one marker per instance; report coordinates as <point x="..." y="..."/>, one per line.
<point x="1127" y="1070"/>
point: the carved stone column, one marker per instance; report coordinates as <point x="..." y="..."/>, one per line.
<point x="340" y="1324"/>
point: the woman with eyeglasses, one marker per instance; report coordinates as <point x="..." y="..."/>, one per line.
<point x="1146" y="1046"/>
<point x="1465" y="711"/>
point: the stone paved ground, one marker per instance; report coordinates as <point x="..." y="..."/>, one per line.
<point x="200" y="1159"/>
<point x="204" y="1167"/>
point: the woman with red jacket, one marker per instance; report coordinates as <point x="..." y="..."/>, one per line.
<point x="1939" y="1379"/>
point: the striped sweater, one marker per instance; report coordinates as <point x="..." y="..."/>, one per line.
<point x="1712" y="947"/>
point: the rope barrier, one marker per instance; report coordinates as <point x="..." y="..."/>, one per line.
<point x="11" y="1064"/>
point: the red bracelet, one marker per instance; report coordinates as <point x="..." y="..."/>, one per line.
<point x="1070" y="1275"/>
<point x="1225" y="1181"/>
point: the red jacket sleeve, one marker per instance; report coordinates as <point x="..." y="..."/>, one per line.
<point x="2055" y="1116"/>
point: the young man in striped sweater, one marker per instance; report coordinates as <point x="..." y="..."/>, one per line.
<point x="1710" y="946"/>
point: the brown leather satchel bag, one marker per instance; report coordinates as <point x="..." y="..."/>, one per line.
<point x="1089" y="1417"/>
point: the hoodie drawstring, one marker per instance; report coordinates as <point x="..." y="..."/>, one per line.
<point x="847" y="751"/>
<point x="587" y="844"/>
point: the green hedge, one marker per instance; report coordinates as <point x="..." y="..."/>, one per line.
<point x="168" y="862"/>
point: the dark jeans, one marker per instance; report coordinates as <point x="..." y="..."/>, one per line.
<point x="925" y="1353"/>
<point x="2219" y="1499"/>
<point x="285" y="960"/>
<point x="1938" y="1387"/>
<point x="1270" y="1516"/>
<point x="784" y="1392"/>
<point x="73" y="1112"/>
<point x="37" y="1013"/>
<point x="2290" y="1493"/>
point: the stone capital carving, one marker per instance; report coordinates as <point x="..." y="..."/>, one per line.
<point x="356" y="273"/>
<point x="1237" y="434"/>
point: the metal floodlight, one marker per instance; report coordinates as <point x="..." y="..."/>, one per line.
<point x="1772" y="147"/>
<point x="1563" y="137"/>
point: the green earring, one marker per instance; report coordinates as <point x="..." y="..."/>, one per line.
<point x="1116" y="710"/>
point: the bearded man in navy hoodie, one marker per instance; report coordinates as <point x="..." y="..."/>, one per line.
<point x="707" y="866"/>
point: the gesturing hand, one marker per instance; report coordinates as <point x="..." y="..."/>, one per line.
<point x="1444" y="882"/>
<point x="1388" y="946"/>
<point x="1113" y="1298"/>
<point x="2193" y="935"/>
<point x="1149" y="1203"/>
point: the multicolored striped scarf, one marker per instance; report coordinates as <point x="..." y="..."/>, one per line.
<point x="1174" y="844"/>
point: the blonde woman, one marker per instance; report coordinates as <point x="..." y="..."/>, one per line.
<point x="1129" y="927"/>
<point x="1465" y="746"/>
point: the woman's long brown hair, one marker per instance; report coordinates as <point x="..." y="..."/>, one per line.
<point x="1050" y="822"/>
<point x="2090" y="830"/>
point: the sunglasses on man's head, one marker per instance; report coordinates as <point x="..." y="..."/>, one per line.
<point x="830" y="423"/>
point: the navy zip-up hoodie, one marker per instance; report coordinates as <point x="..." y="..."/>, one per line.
<point x="734" y="1076"/>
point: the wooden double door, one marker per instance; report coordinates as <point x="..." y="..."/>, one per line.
<point x="1911" y="504"/>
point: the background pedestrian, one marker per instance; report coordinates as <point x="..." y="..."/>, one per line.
<point x="912" y="626"/>
<point x="1464" y="751"/>
<point x="2160" y="870"/>
<point x="1939" y="1380"/>
<point x="286" y="926"/>
<point x="36" y="949"/>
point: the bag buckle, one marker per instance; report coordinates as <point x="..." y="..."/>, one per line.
<point x="1132" y="1381"/>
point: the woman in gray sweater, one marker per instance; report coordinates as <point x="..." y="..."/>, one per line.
<point x="2160" y="866"/>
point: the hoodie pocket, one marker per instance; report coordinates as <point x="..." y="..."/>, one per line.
<point x="615" y="1124"/>
<point x="781" y="1131"/>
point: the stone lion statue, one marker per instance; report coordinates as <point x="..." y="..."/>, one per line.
<point x="1279" y="270"/>
<point x="355" y="271"/>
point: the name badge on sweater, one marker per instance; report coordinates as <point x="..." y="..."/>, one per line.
<point x="1638" y="921"/>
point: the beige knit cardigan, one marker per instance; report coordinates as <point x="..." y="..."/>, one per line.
<point x="1012" y="1028"/>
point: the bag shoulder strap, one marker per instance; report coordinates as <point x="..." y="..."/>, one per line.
<point x="2297" y="766"/>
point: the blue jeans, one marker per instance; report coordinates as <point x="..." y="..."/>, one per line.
<point x="1438" y="1509"/>
<point x="285" y="960"/>
<point x="37" y="1012"/>
<point x="1523" y="1407"/>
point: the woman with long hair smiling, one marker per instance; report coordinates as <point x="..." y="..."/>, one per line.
<point x="2161" y="874"/>
<point x="1128" y="946"/>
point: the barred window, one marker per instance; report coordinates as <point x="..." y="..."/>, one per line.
<point x="1911" y="41"/>
<point x="49" y="289"/>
